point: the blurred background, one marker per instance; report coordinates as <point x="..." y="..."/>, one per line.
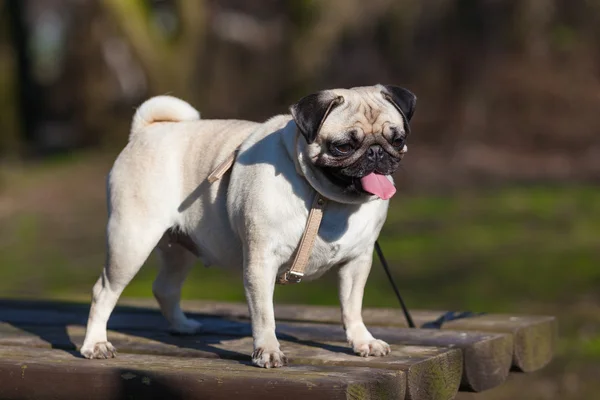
<point x="498" y="206"/>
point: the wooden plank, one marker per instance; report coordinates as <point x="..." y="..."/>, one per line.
<point x="534" y="337"/>
<point x="431" y="373"/>
<point x="41" y="374"/>
<point x="487" y="357"/>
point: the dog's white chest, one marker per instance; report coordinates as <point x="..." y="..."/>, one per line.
<point x="345" y="234"/>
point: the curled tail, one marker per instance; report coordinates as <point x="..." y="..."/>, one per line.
<point x="162" y="108"/>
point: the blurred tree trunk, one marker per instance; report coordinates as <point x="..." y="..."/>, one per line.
<point x="319" y="28"/>
<point x="9" y="127"/>
<point x="171" y="63"/>
<point x="26" y="88"/>
<point x="533" y="20"/>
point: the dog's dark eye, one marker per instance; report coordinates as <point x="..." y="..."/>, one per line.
<point x="398" y="142"/>
<point x="342" y="149"/>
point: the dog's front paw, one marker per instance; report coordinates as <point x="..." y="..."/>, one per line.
<point x="268" y="358"/>
<point x="186" y="327"/>
<point x="374" y="347"/>
<point x="101" y="350"/>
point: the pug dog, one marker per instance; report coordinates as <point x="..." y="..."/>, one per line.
<point x="343" y="144"/>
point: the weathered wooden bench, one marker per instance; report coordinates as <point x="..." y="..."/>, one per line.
<point x="38" y="358"/>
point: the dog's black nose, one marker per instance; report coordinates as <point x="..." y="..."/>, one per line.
<point x="375" y="153"/>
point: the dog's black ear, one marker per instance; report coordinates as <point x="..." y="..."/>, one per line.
<point x="403" y="99"/>
<point x="310" y="112"/>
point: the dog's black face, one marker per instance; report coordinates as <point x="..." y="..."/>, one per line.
<point x="348" y="161"/>
<point x="357" y="132"/>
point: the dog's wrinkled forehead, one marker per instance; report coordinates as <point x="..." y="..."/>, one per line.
<point x="364" y="111"/>
<point x="363" y="108"/>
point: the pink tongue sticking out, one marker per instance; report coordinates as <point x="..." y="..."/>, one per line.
<point x="378" y="185"/>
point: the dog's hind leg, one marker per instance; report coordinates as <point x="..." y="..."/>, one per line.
<point x="129" y="243"/>
<point x="176" y="264"/>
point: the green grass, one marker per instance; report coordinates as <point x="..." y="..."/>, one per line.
<point x="490" y="249"/>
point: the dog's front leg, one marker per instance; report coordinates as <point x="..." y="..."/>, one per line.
<point x="353" y="277"/>
<point x="259" y="284"/>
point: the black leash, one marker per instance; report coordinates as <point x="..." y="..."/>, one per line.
<point x="384" y="263"/>
<point x="437" y="324"/>
<point x="450" y="316"/>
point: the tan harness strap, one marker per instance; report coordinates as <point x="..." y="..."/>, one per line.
<point x="311" y="231"/>
<point x="223" y="167"/>
<point x="296" y="272"/>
